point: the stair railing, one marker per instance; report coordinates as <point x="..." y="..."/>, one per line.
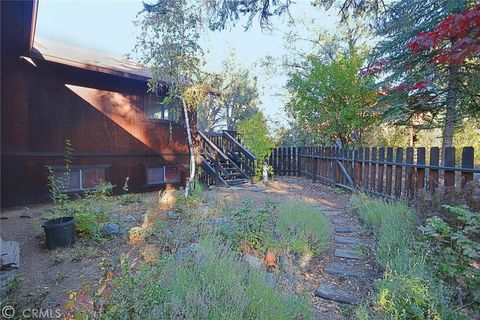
<point x="241" y="155"/>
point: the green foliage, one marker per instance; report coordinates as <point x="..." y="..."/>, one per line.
<point x="187" y="206"/>
<point x="129" y="198"/>
<point x="250" y="227"/>
<point x="421" y="106"/>
<point x="89" y="212"/>
<point x="329" y="100"/>
<point x="233" y="97"/>
<point x="58" y="185"/>
<point x="455" y="239"/>
<point x="413" y="286"/>
<point x="302" y="228"/>
<point x="255" y="135"/>
<point x="209" y="284"/>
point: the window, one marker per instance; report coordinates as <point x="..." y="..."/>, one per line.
<point x="155" y="109"/>
<point x="162" y="174"/>
<point x="80" y="178"/>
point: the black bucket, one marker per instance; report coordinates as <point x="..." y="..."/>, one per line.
<point x="59" y="232"/>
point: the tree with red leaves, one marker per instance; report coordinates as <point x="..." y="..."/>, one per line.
<point x="430" y="62"/>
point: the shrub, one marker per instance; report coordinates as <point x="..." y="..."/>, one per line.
<point x="302" y="228"/>
<point x="208" y="284"/>
<point x="410" y="287"/>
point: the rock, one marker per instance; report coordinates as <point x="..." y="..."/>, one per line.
<point x="289" y="279"/>
<point x="333" y="294"/>
<point x="343" y="230"/>
<point x="347" y="254"/>
<point x="114" y="215"/>
<point x="219" y="221"/>
<point x="128" y="218"/>
<point x="182" y="253"/>
<point x="110" y="229"/>
<point x="345" y="240"/>
<point x="338" y="269"/>
<point x="167" y="233"/>
<point x="271" y="279"/>
<point x="253" y="262"/>
<point x="172" y="215"/>
<point x="337" y="221"/>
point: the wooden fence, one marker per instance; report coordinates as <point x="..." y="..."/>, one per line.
<point x="396" y="172"/>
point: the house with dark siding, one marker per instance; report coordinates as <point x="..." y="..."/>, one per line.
<point x="51" y="92"/>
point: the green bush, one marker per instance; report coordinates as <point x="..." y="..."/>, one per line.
<point x="209" y="284"/>
<point x="302" y="228"/>
<point x="410" y="287"/>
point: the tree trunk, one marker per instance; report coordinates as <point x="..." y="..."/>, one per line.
<point x="451" y="106"/>
<point x="192" y="155"/>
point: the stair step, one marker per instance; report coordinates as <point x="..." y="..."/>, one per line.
<point x="340" y="269"/>
<point x="236" y="182"/>
<point x="344" y="230"/>
<point x="331" y="293"/>
<point x="345" y="240"/>
<point x="347" y="254"/>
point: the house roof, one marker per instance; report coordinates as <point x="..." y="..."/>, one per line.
<point x="86" y="59"/>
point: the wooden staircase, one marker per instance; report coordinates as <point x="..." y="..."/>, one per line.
<point x="224" y="160"/>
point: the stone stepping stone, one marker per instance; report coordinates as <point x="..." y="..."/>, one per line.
<point x="337" y="221"/>
<point x="345" y="240"/>
<point x="339" y="269"/>
<point x="347" y="254"/>
<point x="334" y="294"/>
<point x="343" y="229"/>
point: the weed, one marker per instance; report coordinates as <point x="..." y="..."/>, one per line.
<point x="129" y="198"/>
<point x="410" y="288"/>
<point x="302" y="228"/>
<point x="209" y="284"/>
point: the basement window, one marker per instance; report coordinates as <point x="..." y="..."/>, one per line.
<point x="162" y="174"/>
<point x="79" y="178"/>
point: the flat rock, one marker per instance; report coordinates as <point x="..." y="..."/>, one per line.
<point x="339" y="269"/>
<point x="253" y="261"/>
<point x="110" y="229"/>
<point x="128" y="218"/>
<point x="344" y="230"/>
<point x="347" y="254"/>
<point x="337" y="221"/>
<point x="345" y="240"/>
<point x="334" y="294"/>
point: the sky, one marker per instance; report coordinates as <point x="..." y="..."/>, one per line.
<point x="107" y="26"/>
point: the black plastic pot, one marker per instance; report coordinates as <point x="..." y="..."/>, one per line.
<point x="59" y="232"/>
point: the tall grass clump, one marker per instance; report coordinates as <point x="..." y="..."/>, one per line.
<point x="211" y="283"/>
<point x="409" y="288"/>
<point x="302" y="228"/>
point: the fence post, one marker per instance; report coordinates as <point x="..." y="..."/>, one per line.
<point x="467" y="162"/>
<point x="409" y="173"/>
<point x="358" y="167"/>
<point x="449" y="175"/>
<point x="398" y="172"/>
<point x="388" y="179"/>
<point x="366" y="169"/>
<point x="373" y="170"/>
<point x="381" y="167"/>
<point x="420" y="174"/>
<point x="433" y="173"/>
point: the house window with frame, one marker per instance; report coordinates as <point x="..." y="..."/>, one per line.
<point x="155" y="109"/>
<point x="79" y="178"/>
<point x="162" y="174"/>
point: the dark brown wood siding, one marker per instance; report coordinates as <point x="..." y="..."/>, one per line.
<point x="45" y="103"/>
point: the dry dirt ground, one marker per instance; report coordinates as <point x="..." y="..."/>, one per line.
<point x="46" y="277"/>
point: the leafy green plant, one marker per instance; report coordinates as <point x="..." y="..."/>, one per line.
<point x="129" y="198"/>
<point x="411" y="287"/>
<point x="302" y="228"/>
<point x="58" y="184"/>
